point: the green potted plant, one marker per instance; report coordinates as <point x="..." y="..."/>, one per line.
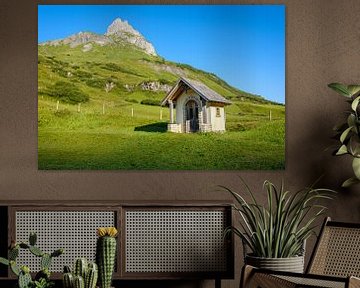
<point x="84" y="274"/>
<point x="106" y="254"/>
<point x="42" y="278"/>
<point x="276" y="233"/>
<point x="349" y="131"/>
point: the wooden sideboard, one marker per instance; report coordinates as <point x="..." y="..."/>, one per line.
<point x="157" y="240"/>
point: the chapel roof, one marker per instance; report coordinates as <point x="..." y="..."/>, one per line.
<point x="199" y="87"/>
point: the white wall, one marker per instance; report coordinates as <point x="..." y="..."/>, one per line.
<point x="217" y="123"/>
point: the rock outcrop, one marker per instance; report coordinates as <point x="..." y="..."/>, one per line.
<point x="155" y="86"/>
<point x="81" y="38"/>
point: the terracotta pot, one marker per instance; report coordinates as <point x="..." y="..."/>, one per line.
<point x="291" y="264"/>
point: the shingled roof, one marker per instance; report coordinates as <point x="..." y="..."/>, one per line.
<point x="203" y="90"/>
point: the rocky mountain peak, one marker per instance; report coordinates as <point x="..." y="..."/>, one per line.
<point x="119" y="26"/>
<point x="123" y="30"/>
<point x="118" y="30"/>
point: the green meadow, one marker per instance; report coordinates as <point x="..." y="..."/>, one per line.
<point x="125" y="128"/>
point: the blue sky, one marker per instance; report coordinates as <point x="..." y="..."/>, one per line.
<point x="242" y="44"/>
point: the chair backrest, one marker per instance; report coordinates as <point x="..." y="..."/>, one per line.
<point x="337" y="251"/>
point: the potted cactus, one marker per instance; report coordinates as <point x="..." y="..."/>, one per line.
<point x="42" y="278"/>
<point x="106" y="254"/>
<point x="84" y="275"/>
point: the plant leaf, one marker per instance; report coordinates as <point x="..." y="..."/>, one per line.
<point x="349" y="182"/>
<point x="354" y="144"/>
<point x="340" y="88"/>
<point x="356" y="167"/>
<point x="355" y="103"/>
<point x="4" y="261"/>
<point x="342" y="150"/>
<point x="14" y="268"/>
<point x="353" y="89"/>
<point x="351" y="119"/>
<point x="345" y="134"/>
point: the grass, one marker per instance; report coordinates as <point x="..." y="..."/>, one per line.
<point x="90" y="140"/>
<point x="114" y="139"/>
<point x="147" y="150"/>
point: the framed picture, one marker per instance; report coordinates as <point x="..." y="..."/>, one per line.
<point x="161" y="87"/>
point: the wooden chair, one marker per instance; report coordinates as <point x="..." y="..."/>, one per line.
<point x="334" y="263"/>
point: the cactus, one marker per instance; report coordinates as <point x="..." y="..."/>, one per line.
<point x="24" y="246"/>
<point x="32" y="238"/>
<point x="43" y="274"/>
<point x="91" y="276"/>
<point x="36" y="251"/>
<point x="80" y="267"/>
<point x="13" y="253"/>
<point x="14" y="268"/>
<point x="25" y="269"/>
<point x="45" y="261"/>
<point x="57" y="252"/>
<point x="89" y="272"/>
<point x="79" y="282"/>
<point x="68" y="280"/>
<point x="105" y="254"/>
<point x="4" y="261"/>
<point x="24" y="278"/>
<point x="67" y="269"/>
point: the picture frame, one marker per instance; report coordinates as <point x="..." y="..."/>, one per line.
<point x="127" y="92"/>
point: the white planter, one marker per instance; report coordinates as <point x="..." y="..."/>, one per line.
<point x="291" y="264"/>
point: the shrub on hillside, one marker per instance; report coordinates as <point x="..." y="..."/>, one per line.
<point x="82" y="75"/>
<point x="165" y="82"/>
<point x="151" y="102"/>
<point x="96" y="83"/>
<point x="131" y="100"/>
<point x="117" y="68"/>
<point x="67" y="92"/>
<point x="60" y="71"/>
<point x="111" y="67"/>
<point x="62" y="113"/>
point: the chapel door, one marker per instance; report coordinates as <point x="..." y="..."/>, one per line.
<point x="192" y="114"/>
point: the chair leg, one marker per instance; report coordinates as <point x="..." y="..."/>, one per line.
<point x="217" y="283"/>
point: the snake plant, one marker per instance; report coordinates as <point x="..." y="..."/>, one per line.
<point x="279" y="228"/>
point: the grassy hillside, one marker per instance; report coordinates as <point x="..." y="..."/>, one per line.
<point x="114" y="130"/>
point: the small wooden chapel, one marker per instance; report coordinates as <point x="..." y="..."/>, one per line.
<point x="194" y="107"/>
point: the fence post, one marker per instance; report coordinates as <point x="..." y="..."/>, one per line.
<point x="79" y="108"/>
<point x="161" y="114"/>
<point x="270" y="116"/>
<point x="57" y="105"/>
<point x="103" y="109"/>
<point x="132" y="112"/>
